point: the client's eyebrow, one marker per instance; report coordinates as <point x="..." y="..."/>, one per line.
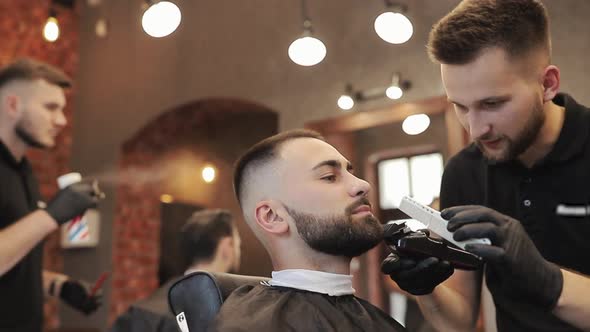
<point x="334" y="164"/>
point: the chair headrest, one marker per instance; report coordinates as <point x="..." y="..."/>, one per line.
<point x="196" y="298"/>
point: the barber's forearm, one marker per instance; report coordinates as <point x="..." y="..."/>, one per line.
<point x="22" y="236"/>
<point x="447" y="310"/>
<point x="573" y="305"/>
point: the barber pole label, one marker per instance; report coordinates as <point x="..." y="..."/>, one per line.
<point x="82" y="231"/>
<point x="78" y="230"/>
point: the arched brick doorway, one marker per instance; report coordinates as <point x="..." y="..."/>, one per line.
<point x="165" y="157"/>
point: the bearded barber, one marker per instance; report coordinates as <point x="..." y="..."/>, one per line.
<point x="529" y="166"/>
<point x="32" y="101"/>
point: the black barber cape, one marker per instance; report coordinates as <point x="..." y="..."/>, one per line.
<point x="271" y="308"/>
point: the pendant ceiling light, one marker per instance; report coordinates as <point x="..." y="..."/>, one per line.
<point x="307" y="50"/>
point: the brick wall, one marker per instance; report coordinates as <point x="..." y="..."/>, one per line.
<point x="165" y="157"/>
<point x="21" y="24"/>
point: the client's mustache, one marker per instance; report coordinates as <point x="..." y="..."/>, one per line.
<point x="362" y="201"/>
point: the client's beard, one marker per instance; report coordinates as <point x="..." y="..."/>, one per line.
<point x="339" y="235"/>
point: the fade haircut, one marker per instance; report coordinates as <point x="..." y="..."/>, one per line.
<point x="200" y="235"/>
<point x="262" y="153"/>
<point x="516" y="26"/>
<point x="29" y="70"/>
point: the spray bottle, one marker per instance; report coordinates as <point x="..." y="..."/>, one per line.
<point x="82" y="231"/>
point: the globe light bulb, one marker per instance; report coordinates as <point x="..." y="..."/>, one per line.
<point x="51" y="29"/>
<point x="208" y="174"/>
<point x="161" y="19"/>
<point x="416" y="124"/>
<point x="345" y="102"/>
<point x="394" y="92"/>
<point x="307" y="51"/>
<point x="394" y="28"/>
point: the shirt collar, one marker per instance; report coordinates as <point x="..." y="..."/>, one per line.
<point x="314" y="281"/>
<point x="573" y="135"/>
<point x="7" y="156"/>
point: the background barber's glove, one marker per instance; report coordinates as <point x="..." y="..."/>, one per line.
<point x="73" y="201"/>
<point x="417" y="277"/>
<point x="76" y="294"/>
<point x="512" y="256"/>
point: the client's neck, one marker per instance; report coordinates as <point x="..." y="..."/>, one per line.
<point x="309" y="259"/>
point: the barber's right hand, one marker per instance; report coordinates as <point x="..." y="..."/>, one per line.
<point x="73" y="201"/>
<point x="417" y="277"/>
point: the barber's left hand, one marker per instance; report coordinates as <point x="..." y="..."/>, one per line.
<point x="512" y="256"/>
<point x="77" y="295"/>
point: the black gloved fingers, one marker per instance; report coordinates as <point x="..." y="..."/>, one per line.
<point x="490" y="253"/>
<point x="478" y="231"/>
<point x="394" y="263"/>
<point x="87" y="188"/>
<point x="473" y="214"/>
<point x="76" y="294"/>
<point x="423" y="281"/>
<point x="450" y="212"/>
<point x="424" y="266"/>
<point x="444" y="270"/>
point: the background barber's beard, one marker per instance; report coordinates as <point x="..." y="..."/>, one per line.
<point x="338" y="235"/>
<point x="523" y="141"/>
<point x="22" y="133"/>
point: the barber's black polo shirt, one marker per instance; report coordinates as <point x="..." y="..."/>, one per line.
<point x="21" y="288"/>
<point x="551" y="200"/>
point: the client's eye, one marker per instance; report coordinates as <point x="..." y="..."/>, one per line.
<point x="329" y="178"/>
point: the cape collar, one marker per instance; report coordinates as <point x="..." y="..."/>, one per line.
<point x="313" y="281"/>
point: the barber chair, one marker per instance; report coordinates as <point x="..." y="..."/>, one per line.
<point x="196" y="298"/>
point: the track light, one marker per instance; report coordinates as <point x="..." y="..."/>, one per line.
<point x="307" y="50"/>
<point x="161" y="18"/>
<point x="51" y="28"/>
<point x="346" y="101"/>
<point x="396" y="89"/>
<point x="393" y="26"/>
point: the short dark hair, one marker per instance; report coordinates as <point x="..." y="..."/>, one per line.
<point x="29" y="69"/>
<point x="263" y="152"/>
<point x="201" y="234"/>
<point x="516" y="26"/>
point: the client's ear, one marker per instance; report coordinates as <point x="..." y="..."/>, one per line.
<point x="268" y="218"/>
<point x="551" y="81"/>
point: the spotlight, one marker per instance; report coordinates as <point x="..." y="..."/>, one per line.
<point x="307" y="50"/>
<point x="393" y="26"/>
<point x="161" y="19"/>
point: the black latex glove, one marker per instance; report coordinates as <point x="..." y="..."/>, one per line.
<point x="512" y="256"/>
<point x="76" y="294"/>
<point x="73" y="201"/>
<point x="416" y="276"/>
